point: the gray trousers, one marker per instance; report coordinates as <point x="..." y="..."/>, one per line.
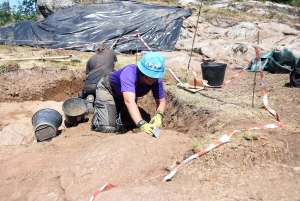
<point x="108" y="109"/>
<point x="106" y="112"/>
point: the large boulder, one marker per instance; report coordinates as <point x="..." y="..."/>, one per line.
<point x="44" y="8"/>
<point x="257" y="7"/>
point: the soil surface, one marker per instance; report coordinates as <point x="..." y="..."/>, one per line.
<point x="253" y="165"/>
<point x="261" y="161"/>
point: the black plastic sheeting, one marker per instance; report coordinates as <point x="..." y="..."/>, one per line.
<point x="86" y="27"/>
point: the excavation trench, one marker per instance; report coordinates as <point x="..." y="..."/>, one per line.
<point x="204" y="124"/>
<point x="79" y="160"/>
<point x="25" y="89"/>
<point x="45" y="84"/>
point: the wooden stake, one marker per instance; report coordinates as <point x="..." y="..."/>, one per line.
<point x="44" y="58"/>
<point x="254" y="81"/>
<point x="200" y="6"/>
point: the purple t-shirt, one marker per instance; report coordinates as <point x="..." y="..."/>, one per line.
<point x="126" y="80"/>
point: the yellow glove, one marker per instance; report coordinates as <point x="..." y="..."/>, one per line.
<point x="145" y="127"/>
<point x="157" y="119"/>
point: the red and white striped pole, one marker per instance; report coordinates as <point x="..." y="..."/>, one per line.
<point x="140" y="37"/>
<point x="105" y="187"/>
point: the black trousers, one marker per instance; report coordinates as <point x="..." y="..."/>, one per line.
<point x="87" y="90"/>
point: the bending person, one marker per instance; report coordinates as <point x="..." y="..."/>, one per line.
<point x="98" y="65"/>
<point x="122" y="88"/>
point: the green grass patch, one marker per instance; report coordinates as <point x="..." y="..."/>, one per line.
<point x="196" y="145"/>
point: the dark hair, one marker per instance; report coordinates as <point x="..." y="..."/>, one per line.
<point x="102" y="47"/>
<point x="140" y="73"/>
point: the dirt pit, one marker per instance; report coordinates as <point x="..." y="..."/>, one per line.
<point x="254" y="165"/>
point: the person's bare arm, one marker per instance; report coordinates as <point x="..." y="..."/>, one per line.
<point x="161" y="104"/>
<point x="129" y="99"/>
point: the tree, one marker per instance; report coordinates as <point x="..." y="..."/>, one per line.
<point x="5" y="14"/>
<point x="24" y="12"/>
<point x="27" y="8"/>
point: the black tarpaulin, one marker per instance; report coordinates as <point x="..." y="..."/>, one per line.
<point x="85" y="27"/>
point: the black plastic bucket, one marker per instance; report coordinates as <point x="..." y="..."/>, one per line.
<point x="75" y="111"/>
<point x="213" y="72"/>
<point x="46" y="123"/>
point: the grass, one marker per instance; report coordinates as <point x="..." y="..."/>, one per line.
<point x="17" y="52"/>
<point x="9" y="66"/>
<point x="187" y="97"/>
<point x="238" y="16"/>
<point x="250" y="135"/>
<point x="124" y="60"/>
<point x="196" y="145"/>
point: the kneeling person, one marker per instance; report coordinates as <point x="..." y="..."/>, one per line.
<point x="122" y="88"/>
<point x="98" y="65"/>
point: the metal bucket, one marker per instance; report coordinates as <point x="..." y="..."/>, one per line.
<point x="75" y="111"/>
<point x="46" y="123"/>
<point x="213" y="72"/>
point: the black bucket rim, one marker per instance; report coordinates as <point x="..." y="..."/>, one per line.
<point x="80" y="100"/>
<point x="215" y="64"/>
<point x="42" y="110"/>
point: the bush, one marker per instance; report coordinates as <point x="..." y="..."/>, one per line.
<point x="295" y="3"/>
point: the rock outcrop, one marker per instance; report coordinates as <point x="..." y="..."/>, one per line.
<point x="44" y="8"/>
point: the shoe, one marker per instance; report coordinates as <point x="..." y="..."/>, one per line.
<point x="90" y="99"/>
<point x="107" y="129"/>
<point x="80" y="95"/>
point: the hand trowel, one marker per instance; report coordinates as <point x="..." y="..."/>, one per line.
<point x="156" y="132"/>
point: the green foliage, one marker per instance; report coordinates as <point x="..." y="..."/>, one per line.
<point x="197" y="146"/>
<point x="250" y="136"/>
<point x="28" y="7"/>
<point x="24" y="12"/>
<point x="295" y="3"/>
<point x="5" y="14"/>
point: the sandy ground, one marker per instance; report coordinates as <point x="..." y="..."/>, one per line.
<point x="261" y="164"/>
<point x="254" y="165"/>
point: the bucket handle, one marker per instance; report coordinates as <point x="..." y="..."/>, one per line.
<point x="63" y="129"/>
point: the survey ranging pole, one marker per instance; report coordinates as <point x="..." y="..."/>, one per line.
<point x="254" y="80"/>
<point x="200" y="6"/>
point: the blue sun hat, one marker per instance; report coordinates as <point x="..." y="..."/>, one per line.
<point x="152" y="64"/>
